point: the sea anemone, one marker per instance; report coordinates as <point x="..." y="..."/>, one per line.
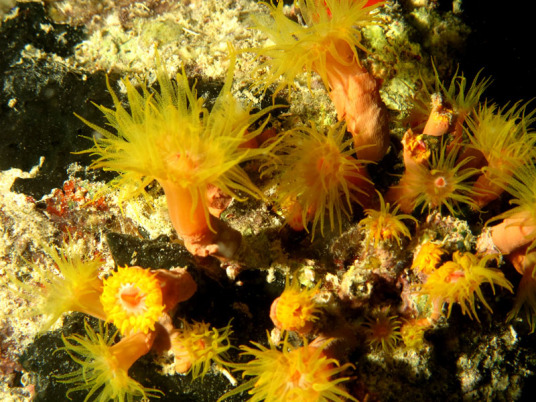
<point x="441" y="184"/>
<point x="385" y="224"/>
<point x="169" y="135"/>
<point x="382" y="330"/>
<point x="459" y="280"/>
<point x="196" y="346"/>
<point x="295" y="309"/>
<point x="319" y="176"/>
<point x="104" y="371"/>
<point x="132" y="299"/>
<point x="76" y="288"/>
<point x="285" y="373"/>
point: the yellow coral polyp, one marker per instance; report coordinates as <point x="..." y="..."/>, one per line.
<point x="412" y="333"/>
<point x="132" y="299"/>
<point x="442" y="184"/>
<point x="319" y="173"/>
<point x="382" y="331"/>
<point x="104" y="371"/>
<point x="76" y="288"/>
<point x="459" y="281"/>
<point x="428" y="257"/>
<point x="295" y="309"/>
<point x="196" y="346"/>
<point x="386" y="224"/>
<point x="286" y="373"/>
<point x="169" y="135"/>
<point x="331" y="30"/>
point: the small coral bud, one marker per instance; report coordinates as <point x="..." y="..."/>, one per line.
<point x="132" y="300"/>
<point x="441" y="117"/>
<point x="415" y="149"/>
<point x="196" y="346"/>
<point x="296" y="308"/>
<point x="385" y="224"/>
<point x="412" y="333"/>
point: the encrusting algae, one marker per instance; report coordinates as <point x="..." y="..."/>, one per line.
<point x="395" y="258"/>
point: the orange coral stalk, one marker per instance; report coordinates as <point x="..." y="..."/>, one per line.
<point x="326" y="44"/>
<point x="525" y="264"/>
<point x="356" y="97"/>
<point x="191" y="221"/>
<point x="177" y="285"/>
<point x="513" y="232"/>
<point x="441" y="117"/>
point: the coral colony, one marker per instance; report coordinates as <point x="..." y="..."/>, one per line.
<point x="460" y="152"/>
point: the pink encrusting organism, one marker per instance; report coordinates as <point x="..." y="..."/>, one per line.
<point x="326" y="44"/>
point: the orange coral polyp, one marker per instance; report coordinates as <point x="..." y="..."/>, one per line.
<point x="132" y="300"/>
<point x="170" y="136"/>
<point x="444" y="183"/>
<point x="196" y="346"/>
<point x="104" y="365"/>
<point x="293" y="374"/>
<point x="428" y="258"/>
<point x="383" y="331"/>
<point x="296" y="308"/>
<point x="386" y="224"/>
<point x="458" y="281"/>
<point x="320" y="173"/>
